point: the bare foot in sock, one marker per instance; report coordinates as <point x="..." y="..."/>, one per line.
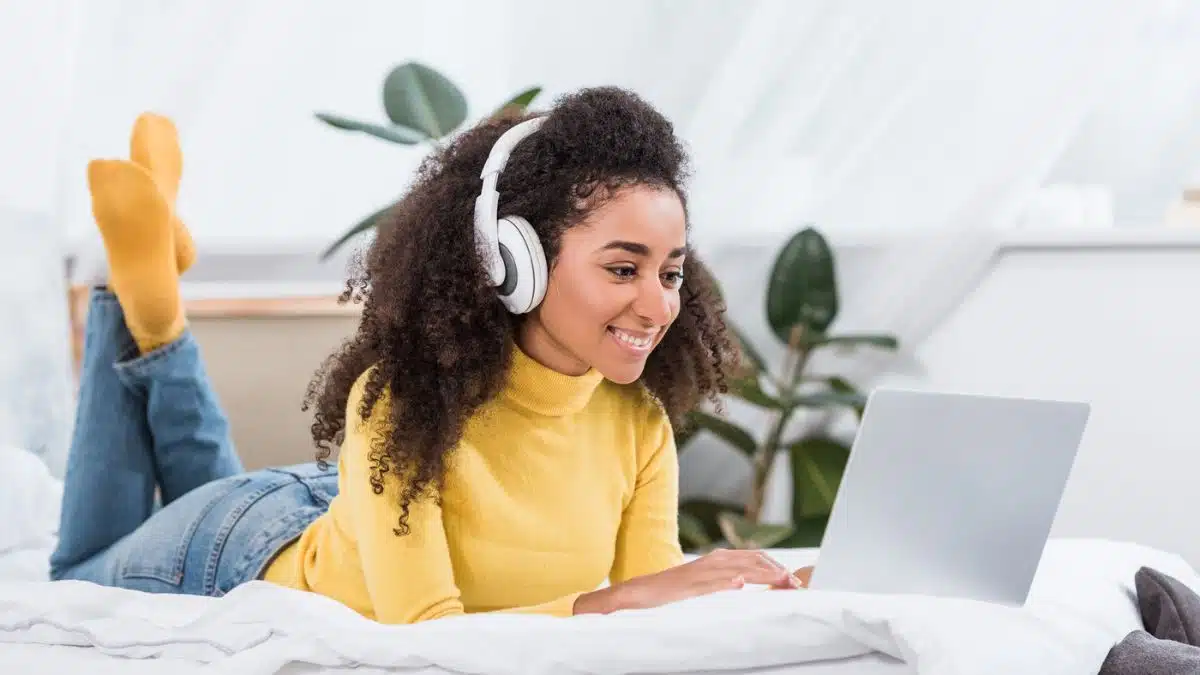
<point x="135" y="222"/>
<point x="154" y="145"/>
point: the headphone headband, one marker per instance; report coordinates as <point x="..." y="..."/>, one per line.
<point x="486" y="204"/>
<point x="498" y="157"/>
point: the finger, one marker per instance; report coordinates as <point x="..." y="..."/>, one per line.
<point x="763" y="574"/>
<point x="735" y="558"/>
<point x="785" y="578"/>
<point x="771" y="561"/>
<point x="756" y="567"/>
<point x="760" y="568"/>
<point x="774" y="575"/>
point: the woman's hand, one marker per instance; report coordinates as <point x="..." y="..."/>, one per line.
<point x="721" y="570"/>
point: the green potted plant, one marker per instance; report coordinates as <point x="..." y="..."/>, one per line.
<point x="422" y="106"/>
<point x="801" y="305"/>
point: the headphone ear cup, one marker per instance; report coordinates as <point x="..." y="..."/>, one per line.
<point x="525" y="271"/>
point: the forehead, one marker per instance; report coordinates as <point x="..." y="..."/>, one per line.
<point x="641" y="214"/>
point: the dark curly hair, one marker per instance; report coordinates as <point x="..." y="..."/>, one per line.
<point x="433" y="333"/>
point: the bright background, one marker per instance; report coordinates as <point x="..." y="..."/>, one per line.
<point x="999" y="178"/>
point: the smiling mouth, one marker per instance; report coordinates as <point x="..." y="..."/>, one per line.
<point x="638" y="342"/>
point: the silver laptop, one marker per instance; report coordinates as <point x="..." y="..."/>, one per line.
<point x="949" y="495"/>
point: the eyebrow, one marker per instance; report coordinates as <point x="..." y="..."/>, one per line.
<point x="640" y="249"/>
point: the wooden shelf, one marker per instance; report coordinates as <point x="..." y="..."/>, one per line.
<point x="299" y="306"/>
<point x="218" y="308"/>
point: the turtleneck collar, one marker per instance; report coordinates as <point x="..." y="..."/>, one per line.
<point x="548" y="392"/>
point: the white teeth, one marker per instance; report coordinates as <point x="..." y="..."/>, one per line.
<point x="638" y="342"/>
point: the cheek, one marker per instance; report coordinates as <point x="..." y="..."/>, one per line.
<point x="580" y="303"/>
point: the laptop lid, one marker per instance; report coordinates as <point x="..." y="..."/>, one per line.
<point x="949" y="495"/>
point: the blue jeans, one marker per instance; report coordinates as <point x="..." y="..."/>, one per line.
<point x="147" y="422"/>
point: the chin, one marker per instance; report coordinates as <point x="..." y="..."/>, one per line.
<point x="621" y="373"/>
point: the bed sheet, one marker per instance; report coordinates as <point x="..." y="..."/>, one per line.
<point x="16" y="659"/>
<point x="1080" y="606"/>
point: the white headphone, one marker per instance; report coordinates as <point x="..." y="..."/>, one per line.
<point x="511" y="250"/>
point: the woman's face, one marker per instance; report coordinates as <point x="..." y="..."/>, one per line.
<point x="614" y="287"/>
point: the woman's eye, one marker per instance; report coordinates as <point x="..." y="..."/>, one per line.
<point x="623" y="272"/>
<point x="673" y="279"/>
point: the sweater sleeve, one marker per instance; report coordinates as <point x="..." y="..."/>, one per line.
<point x="648" y="538"/>
<point x="409" y="578"/>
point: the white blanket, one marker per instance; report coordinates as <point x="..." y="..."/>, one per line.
<point x="1081" y="604"/>
<point x="29" y="508"/>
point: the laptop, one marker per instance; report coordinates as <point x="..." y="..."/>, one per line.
<point x="949" y="495"/>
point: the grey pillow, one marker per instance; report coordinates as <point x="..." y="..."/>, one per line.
<point x="1170" y="610"/>
<point x="1143" y="654"/>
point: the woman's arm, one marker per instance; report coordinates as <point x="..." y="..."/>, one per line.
<point x="409" y="578"/>
<point x="648" y="539"/>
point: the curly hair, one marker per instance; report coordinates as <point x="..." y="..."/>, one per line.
<point x="433" y="334"/>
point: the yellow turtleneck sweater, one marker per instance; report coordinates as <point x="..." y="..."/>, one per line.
<point x="556" y="485"/>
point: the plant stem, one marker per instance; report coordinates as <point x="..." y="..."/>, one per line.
<point x="763" y="461"/>
<point x="794" y="363"/>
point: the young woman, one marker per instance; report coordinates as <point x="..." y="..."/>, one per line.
<point x="503" y="412"/>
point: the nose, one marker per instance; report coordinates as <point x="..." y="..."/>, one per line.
<point x="654" y="305"/>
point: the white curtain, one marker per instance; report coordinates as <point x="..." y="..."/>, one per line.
<point x="38" y="51"/>
<point x="929" y="122"/>
<point x="853" y="114"/>
<point x="1142" y="143"/>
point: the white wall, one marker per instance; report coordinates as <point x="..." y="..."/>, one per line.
<point x="1101" y="316"/>
<point x="1110" y="321"/>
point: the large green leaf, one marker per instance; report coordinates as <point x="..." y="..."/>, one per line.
<point x="741" y="533"/>
<point x="395" y="134"/>
<point x="802" y="290"/>
<point x="517" y="104"/>
<point x="851" y="340"/>
<point x="705" y="512"/>
<point x="806" y="533"/>
<point x="368" y="223"/>
<point x="726" y="430"/>
<point x="843" y="386"/>
<point x="817" y="467"/>
<point x="749" y="389"/>
<point x="840" y="384"/>
<point x="419" y="97"/>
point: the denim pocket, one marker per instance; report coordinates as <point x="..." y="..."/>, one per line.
<point x="159" y="549"/>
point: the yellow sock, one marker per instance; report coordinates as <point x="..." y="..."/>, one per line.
<point x="154" y="145"/>
<point x="135" y="223"/>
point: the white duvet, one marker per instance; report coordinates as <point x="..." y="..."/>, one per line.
<point x="1081" y="604"/>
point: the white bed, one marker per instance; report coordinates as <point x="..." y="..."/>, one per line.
<point x="1081" y="604"/>
<point x="30" y="658"/>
